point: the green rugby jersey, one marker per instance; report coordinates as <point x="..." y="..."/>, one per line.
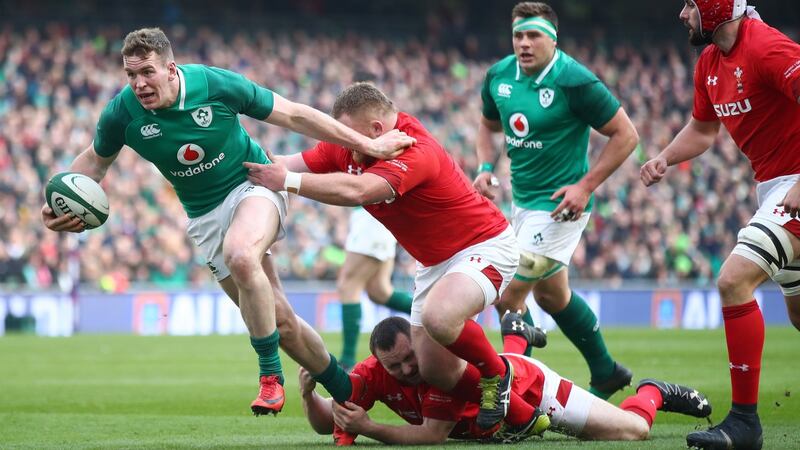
<point x="546" y="120"/>
<point x="197" y="143"/>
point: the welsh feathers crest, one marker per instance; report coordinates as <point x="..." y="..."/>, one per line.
<point x="546" y="97"/>
<point x="202" y="116"/>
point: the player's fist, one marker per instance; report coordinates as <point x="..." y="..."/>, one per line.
<point x="67" y="222"/>
<point x="486" y="184"/>
<point x="653" y="171"/>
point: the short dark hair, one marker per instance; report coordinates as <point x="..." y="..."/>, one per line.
<point x="145" y="40"/>
<point x="535" y="9"/>
<point x="359" y="97"/>
<point x="384" y="335"/>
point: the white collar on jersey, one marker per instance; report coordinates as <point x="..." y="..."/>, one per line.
<point x="182" y="101"/>
<point x="546" y="70"/>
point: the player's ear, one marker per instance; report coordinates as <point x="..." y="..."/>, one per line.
<point x="377" y="128"/>
<point x="172" y="69"/>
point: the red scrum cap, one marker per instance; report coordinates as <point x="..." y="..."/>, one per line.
<point x="714" y="13"/>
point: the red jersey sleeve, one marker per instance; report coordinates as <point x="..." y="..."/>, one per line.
<point x="414" y="166"/>
<point x="364" y="380"/>
<point x="321" y="158"/>
<point x="779" y="65"/>
<point x="440" y="405"/>
<point x="703" y="109"/>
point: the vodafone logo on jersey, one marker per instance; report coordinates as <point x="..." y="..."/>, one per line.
<point x="519" y="124"/>
<point x="190" y="154"/>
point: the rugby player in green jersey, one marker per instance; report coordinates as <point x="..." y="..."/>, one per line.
<point x="184" y="119"/>
<point x="546" y="104"/>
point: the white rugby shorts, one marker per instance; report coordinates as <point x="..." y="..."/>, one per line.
<point x="208" y="231"/>
<point x="539" y="234"/>
<point x="491" y="263"/>
<point x="369" y="237"/>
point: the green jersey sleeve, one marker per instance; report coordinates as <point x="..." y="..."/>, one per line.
<point x="110" y="134"/>
<point x="239" y="93"/>
<point x="489" y="106"/>
<point x="593" y="103"/>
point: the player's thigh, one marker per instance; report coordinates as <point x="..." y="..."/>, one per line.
<point x="437" y="365"/>
<point x="354" y="274"/>
<point x="552" y="294"/>
<point x="253" y="228"/>
<point x="453" y="299"/>
<point x="379" y="287"/>
<point x="607" y="422"/>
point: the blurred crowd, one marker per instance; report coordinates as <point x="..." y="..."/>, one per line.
<point x="54" y="81"/>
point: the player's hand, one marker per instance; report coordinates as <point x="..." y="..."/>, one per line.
<point x="571" y="208"/>
<point x="486" y="184"/>
<point x="350" y="417"/>
<point x="390" y="145"/>
<point x="307" y="383"/>
<point x="67" y="222"/>
<point x="791" y="202"/>
<point x="271" y="176"/>
<point x="653" y="171"/>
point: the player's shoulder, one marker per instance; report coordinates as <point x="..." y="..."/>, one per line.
<point x="413" y="127"/>
<point x="573" y="73"/>
<point x="117" y="110"/>
<point x="505" y="66"/>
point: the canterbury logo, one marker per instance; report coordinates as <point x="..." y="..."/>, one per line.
<point x="150" y="131"/>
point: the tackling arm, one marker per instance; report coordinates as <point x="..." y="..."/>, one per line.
<point x="306" y="120"/>
<point x="353" y="419"/>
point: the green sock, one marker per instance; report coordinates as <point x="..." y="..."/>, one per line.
<point x="580" y="325"/>
<point x="269" y="362"/>
<point x="351" y="328"/>
<point x="400" y="301"/>
<point x="527" y="318"/>
<point x="336" y="381"/>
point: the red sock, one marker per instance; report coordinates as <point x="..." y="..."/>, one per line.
<point x="514" y="344"/>
<point x="642" y="406"/>
<point x="519" y="411"/>
<point x="467" y="387"/>
<point x="744" y="333"/>
<point x="473" y="347"/>
<point x="652" y="394"/>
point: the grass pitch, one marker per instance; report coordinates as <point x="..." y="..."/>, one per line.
<point x="109" y="391"/>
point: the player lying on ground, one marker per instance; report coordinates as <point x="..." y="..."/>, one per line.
<point x="391" y="375"/>
<point x="466" y="249"/>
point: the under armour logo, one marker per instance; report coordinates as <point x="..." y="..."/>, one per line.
<point x="743" y="367"/>
<point x="354" y="170"/>
<point x="396" y="397"/>
<point x="517" y="325"/>
<point x="550" y="411"/>
<point x="476" y="259"/>
<point x="712" y="81"/>
<point x="704" y="402"/>
<point x="778" y="211"/>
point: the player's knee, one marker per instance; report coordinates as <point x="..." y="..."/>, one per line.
<point x="438" y="325"/>
<point x="242" y="264"/>
<point x="730" y="288"/>
<point x="638" y="432"/>
<point x="794" y="317"/>
<point x="533" y="267"/>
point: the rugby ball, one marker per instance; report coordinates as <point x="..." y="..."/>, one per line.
<point x="77" y="194"/>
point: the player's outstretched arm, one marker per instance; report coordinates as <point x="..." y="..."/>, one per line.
<point x="306" y="120"/>
<point x="339" y="189"/>
<point x="319" y="410"/>
<point x="354" y="419"/>
<point x="485" y="182"/>
<point x="89" y="163"/>
<point x="694" y="139"/>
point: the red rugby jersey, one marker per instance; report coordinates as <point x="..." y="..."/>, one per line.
<point x="437" y="212"/>
<point x="751" y="91"/>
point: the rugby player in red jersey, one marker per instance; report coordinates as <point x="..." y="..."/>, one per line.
<point x="391" y="376"/>
<point x="747" y="79"/>
<point x="465" y="248"/>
